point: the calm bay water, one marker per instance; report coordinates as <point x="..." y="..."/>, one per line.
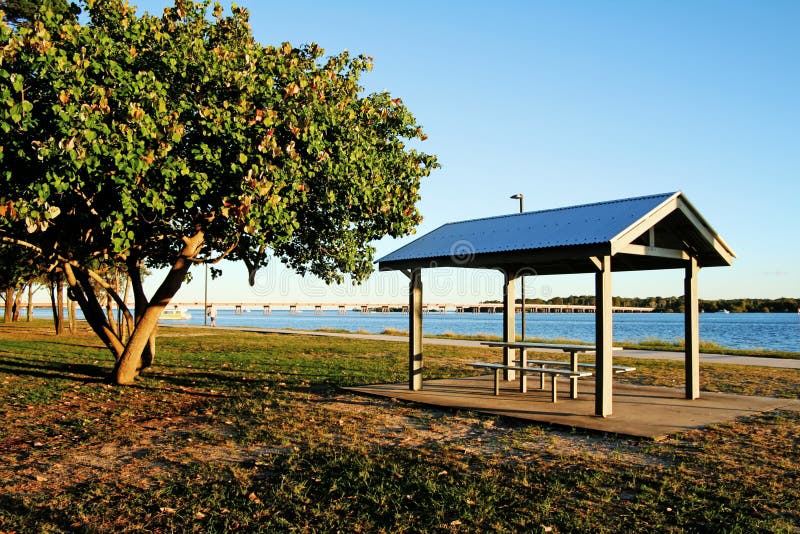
<point x="772" y="331"/>
<point x="775" y="331"/>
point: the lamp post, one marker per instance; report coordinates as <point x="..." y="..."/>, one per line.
<point x="520" y="196"/>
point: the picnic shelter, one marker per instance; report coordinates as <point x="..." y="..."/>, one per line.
<point x="663" y="231"/>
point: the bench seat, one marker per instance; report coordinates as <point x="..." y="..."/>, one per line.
<point x="616" y="368"/>
<point x="554" y="373"/>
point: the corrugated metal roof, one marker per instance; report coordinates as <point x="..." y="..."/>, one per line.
<point x="575" y="225"/>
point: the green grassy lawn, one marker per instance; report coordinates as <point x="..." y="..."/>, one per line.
<point x="645" y="344"/>
<point x="247" y="431"/>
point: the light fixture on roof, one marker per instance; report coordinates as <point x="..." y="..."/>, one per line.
<point x="519" y="196"/>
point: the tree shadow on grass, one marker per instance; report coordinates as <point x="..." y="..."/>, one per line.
<point x="196" y="383"/>
<point x="59" y="344"/>
<point x="83" y="372"/>
<point x="289" y="376"/>
<point x="293" y="378"/>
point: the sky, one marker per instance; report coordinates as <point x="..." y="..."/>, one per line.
<point x="569" y="103"/>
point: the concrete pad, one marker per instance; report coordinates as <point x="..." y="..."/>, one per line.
<point x="642" y="411"/>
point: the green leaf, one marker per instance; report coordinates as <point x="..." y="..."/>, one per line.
<point x="17" y="82"/>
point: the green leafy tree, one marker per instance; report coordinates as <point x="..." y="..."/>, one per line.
<point x="167" y="141"/>
<point x="19" y="270"/>
<point x="11" y="281"/>
<point x="25" y="11"/>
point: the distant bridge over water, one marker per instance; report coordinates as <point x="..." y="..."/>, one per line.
<point x="343" y="308"/>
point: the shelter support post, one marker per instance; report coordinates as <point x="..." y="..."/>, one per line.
<point x="415" y="331"/>
<point x="691" y="330"/>
<point x="509" y="323"/>
<point x="603" y="339"/>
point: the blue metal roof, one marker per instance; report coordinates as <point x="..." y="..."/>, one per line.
<point x="586" y="224"/>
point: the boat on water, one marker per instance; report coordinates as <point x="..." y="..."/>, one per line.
<point x="175" y="314"/>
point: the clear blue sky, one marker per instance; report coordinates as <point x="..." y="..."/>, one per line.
<point x="574" y="102"/>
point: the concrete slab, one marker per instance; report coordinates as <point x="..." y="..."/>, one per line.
<point x="641" y="411"/>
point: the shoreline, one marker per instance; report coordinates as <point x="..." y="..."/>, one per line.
<point x="625" y="352"/>
<point x="648" y="344"/>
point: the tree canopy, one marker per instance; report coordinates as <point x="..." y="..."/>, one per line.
<point x="169" y="140"/>
<point x="23" y="11"/>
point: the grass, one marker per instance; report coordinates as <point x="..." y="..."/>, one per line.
<point x="249" y="431"/>
<point x="707" y="347"/>
<point x="645" y="344"/>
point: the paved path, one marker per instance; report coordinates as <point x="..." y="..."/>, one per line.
<point x="626" y="353"/>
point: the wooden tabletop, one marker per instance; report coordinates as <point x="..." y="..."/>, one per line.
<point x="566" y="347"/>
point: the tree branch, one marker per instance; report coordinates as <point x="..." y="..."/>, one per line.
<point x="82" y="291"/>
<point x="121" y="304"/>
<point x="60" y="259"/>
<point x="219" y="258"/>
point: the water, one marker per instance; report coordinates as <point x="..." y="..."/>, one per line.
<point x="771" y="331"/>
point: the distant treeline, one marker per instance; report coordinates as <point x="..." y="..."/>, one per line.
<point x="675" y="304"/>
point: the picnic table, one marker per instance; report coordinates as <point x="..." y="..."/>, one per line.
<point x="574" y="350"/>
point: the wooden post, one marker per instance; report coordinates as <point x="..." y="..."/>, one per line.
<point x="415" y="331"/>
<point x="603" y="339"/>
<point x="509" y="324"/>
<point x="691" y="330"/>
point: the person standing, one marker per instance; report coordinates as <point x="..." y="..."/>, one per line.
<point x="212" y="314"/>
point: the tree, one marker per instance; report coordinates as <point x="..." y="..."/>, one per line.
<point x="18" y="271"/>
<point x="173" y="140"/>
<point x="25" y="11"/>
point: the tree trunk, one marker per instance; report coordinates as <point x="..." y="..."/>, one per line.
<point x="131" y="360"/>
<point x="140" y="306"/>
<point x="17" y="304"/>
<point x="54" y="305"/>
<point x="9" y="309"/>
<point x="29" y="315"/>
<point x="149" y="352"/>
<point x="112" y="321"/>
<point x="60" y="304"/>
<point x="71" y="316"/>
<point x="82" y="291"/>
<point x="126" y="332"/>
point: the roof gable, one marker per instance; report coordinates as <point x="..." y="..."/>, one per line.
<point x="612" y="227"/>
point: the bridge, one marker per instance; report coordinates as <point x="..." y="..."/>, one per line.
<point x="342" y="308"/>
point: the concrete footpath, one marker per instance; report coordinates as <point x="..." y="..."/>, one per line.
<point x="785" y="363"/>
